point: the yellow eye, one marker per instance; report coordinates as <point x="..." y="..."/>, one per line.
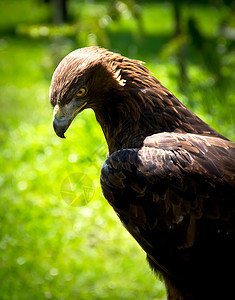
<point x="81" y="93"/>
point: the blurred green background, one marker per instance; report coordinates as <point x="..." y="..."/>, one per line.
<point x="59" y="239"/>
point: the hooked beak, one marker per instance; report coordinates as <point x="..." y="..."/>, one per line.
<point x="62" y="118"/>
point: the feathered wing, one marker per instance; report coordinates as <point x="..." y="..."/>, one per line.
<point x="176" y="196"/>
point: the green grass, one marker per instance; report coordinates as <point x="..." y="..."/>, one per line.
<point x="59" y="238"/>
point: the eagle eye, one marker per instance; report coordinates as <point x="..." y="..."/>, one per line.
<point x="82" y="92"/>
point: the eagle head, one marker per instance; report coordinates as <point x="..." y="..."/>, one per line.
<point x="85" y="78"/>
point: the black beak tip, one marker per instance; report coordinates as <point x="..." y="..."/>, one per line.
<point x="60" y="128"/>
<point x="62" y="136"/>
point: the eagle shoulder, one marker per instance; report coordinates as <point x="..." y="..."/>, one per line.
<point x="173" y="177"/>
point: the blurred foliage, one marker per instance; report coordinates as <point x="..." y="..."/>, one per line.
<point x="59" y="239"/>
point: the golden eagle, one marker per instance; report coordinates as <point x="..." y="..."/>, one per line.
<point x="169" y="176"/>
